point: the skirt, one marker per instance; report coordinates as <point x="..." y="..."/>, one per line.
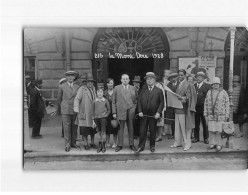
<point x="109" y="128"/>
<point x="85" y="131"/>
<point x="215" y="126"/>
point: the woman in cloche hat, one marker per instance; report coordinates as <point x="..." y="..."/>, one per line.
<point x="216" y="111"/>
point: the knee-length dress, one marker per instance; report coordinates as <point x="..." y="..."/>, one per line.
<point x="110" y="129"/>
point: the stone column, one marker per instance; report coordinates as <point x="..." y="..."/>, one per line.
<point x="67" y="49"/>
<point x="26" y="137"/>
<point x="230" y="89"/>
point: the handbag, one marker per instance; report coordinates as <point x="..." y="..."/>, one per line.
<point x="228" y="127"/>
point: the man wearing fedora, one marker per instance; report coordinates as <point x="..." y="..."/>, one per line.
<point x="123" y="108"/>
<point x="66" y="95"/>
<point x="201" y="91"/>
<point x="150" y="107"/>
<point x="136" y="83"/>
<point x="37" y="108"/>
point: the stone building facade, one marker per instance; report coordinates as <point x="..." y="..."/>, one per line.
<point x="49" y="52"/>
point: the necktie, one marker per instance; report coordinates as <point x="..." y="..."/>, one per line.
<point x="150" y="88"/>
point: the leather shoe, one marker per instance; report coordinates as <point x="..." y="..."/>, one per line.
<point x="74" y="146"/>
<point x="138" y="151"/>
<point x="158" y="139"/>
<point x="206" y="141"/>
<point x="152" y="149"/>
<point x="132" y="148"/>
<point x="86" y="147"/>
<point x="93" y="146"/>
<point x="67" y="149"/>
<point x="195" y="140"/>
<point x="118" y="148"/>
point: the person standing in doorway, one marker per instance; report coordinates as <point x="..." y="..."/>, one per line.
<point x="202" y="89"/>
<point x="66" y="95"/>
<point x="150" y="107"/>
<point x="123" y="108"/>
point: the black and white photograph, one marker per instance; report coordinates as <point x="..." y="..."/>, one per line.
<point x="176" y="96"/>
<point x="124" y="96"/>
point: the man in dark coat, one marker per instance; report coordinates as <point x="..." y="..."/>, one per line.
<point x="37" y="108"/>
<point x="150" y="103"/>
<point x="201" y="90"/>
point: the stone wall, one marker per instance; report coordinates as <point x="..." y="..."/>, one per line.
<point x="49" y="47"/>
<point x="193" y="41"/>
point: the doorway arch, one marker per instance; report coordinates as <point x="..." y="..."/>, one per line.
<point x="126" y="44"/>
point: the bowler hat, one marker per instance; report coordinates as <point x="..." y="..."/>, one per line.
<point x="216" y="80"/>
<point x="70" y="72"/>
<point x="150" y="74"/>
<point x="137" y="79"/>
<point x="201" y="74"/>
<point x="172" y="74"/>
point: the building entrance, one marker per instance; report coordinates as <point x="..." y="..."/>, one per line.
<point x="132" y="67"/>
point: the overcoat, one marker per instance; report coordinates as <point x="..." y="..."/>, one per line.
<point x="37" y="104"/>
<point x="83" y="105"/>
<point x="66" y="97"/>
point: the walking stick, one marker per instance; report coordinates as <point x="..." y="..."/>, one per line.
<point x="136" y="116"/>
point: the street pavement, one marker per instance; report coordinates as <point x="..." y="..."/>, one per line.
<point x="48" y="153"/>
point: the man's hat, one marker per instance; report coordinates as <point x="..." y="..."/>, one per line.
<point x="70" y="72"/>
<point x="172" y="74"/>
<point x="216" y="80"/>
<point x="62" y="80"/>
<point x="150" y="74"/>
<point x="137" y="79"/>
<point x="200" y="74"/>
<point x="38" y="81"/>
<point x="89" y="77"/>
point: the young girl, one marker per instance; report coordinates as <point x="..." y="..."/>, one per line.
<point x="100" y="111"/>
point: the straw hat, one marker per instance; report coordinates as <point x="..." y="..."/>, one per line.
<point x="150" y="74"/>
<point x="70" y="72"/>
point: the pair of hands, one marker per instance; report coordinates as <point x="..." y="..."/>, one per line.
<point x="157" y="115"/>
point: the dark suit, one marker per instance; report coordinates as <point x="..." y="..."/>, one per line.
<point x="201" y="95"/>
<point x="149" y="103"/>
<point x="37" y="108"/>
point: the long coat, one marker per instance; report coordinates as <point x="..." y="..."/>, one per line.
<point x="188" y="90"/>
<point x="150" y="103"/>
<point x="119" y="101"/>
<point x="66" y="98"/>
<point x="221" y="110"/>
<point x="37" y="104"/>
<point x="83" y="105"/>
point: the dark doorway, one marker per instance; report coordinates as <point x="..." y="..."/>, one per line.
<point x="132" y="67"/>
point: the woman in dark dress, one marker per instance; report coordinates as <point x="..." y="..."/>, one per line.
<point x="110" y="129"/>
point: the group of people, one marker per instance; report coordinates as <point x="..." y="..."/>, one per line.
<point x="144" y="109"/>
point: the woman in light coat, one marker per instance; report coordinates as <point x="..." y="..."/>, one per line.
<point x="216" y="111"/>
<point x="83" y="106"/>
